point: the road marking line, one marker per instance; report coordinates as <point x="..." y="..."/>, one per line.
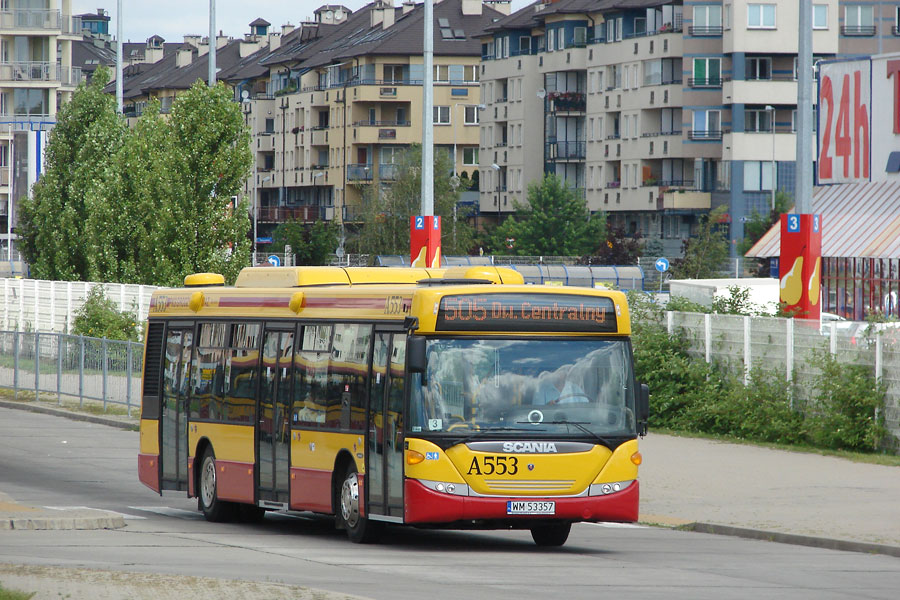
<point x="618" y="525"/>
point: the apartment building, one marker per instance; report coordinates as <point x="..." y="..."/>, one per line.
<point x="36" y="77"/>
<point x="342" y="97"/>
<point x="656" y="111"/>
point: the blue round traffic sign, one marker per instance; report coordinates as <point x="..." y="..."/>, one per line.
<point x="662" y="264"/>
<point x="274" y="260"/>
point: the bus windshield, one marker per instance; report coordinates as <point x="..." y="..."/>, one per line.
<point x="540" y="386"/>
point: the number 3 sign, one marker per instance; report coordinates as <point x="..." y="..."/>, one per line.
<point x="845" y="109"/>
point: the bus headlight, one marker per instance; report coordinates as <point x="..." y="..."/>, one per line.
<point x="454" y="489"/>
<point x="602" y="489"/>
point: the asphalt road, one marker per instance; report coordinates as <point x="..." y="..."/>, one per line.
<point x="51" y="461"/>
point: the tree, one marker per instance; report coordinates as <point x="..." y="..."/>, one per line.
<point x="556" y="221"/>
<point x="616" y="249"/>
<point x="55" y="225"/>
<point x="706" y="252"/>
<point x="310" y="244"/>
<point x="148" y="205"/>
<point x="758" y="224"/>
<point x="99" y="317"/>
<point x="387" y="207"/>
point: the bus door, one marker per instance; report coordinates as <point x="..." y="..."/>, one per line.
<point x="174" y="420"/>
<point x="384" y="471"/>
<point x="274" y="425"/>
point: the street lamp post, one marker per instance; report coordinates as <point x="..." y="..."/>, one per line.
<point x="496" y="169"/>
<point x="771" y="110"/>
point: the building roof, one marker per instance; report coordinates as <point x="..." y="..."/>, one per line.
<point x="859" y="220"/>
<point x="357" y="37"/>
<point x="534" y="14"/>
<point x="164" y="75"/>
<point x="259" y="22"/>
<point x="88" y="55"/>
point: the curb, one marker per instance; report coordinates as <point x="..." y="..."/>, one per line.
<point x="75" y="416"/>
<point x="81" y="520"/>
<point x="792" y="538"/>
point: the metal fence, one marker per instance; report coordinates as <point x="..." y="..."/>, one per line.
<point x="72" y="368"/>
<point x="771" y="344"/>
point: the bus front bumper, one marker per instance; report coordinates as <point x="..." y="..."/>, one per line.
<point x="424" y="505"/>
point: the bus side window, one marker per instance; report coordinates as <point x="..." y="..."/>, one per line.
<point x="348" y="373"/>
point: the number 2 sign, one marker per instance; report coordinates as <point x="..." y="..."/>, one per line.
<point x="845" y="109"/>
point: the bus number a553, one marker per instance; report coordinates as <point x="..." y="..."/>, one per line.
<point x="490" y="465"/>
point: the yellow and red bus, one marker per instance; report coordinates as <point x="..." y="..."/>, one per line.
<point x="456" y="398"/>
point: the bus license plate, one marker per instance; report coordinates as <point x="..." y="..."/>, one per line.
<point x="527" y="507"/>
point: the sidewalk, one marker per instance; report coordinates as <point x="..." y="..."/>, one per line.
<point x="695" y="484"/>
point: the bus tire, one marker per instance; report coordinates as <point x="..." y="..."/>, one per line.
<point x="554" y="534"/>
<point x="360" y="530"/>
<point x="215" y="510"/>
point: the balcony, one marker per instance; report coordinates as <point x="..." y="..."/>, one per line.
<point x="72" y="77"/>
<point x="705" y="82"/>
<point x="282" y="214"/>
<point x="360" y="172"/>
<point x="566" y="102"/>
<point x="705" y="135"/>
<point x="33" y="19"/>
<point x="563" y="151"/>
<point x="705" y="31"/>
<point x="858" y="30"/>
<point x="368" y="123"/>
<point x="776" y="90"/>
<point x="29" y="71"/>
<point x="388" y="172"/>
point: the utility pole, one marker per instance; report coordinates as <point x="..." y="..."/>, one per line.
<point x="803" y="185"/>
<point x="119" y="42"/>
<point x="428" y="113"/>
<point x="212" y="43"/>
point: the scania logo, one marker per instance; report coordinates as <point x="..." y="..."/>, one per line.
<point x="534" y="447"/>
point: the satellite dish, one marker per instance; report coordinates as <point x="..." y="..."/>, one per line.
<point x="541" y="93"/>
<point x="245" y="95"/>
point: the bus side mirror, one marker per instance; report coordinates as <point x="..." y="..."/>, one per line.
<point x="415" y="353"/>
<point x="643" y="409"/>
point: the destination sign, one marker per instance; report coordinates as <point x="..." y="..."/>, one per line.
<point x="527" y="312"/>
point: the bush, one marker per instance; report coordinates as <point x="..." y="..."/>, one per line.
<point x="848" y="411"/>
<point x="99" y="317"/>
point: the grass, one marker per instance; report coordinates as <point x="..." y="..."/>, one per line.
<point x="7" y="594"/>
<point x="88" y="406"/>
<point x="888" y="460"/>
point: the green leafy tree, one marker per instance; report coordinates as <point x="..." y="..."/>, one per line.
<point x="99" y="317"/>
<point x="310" y="244"/>
<point x="387" y="208"/>
<point x="148" y="205"/>
<point x="706" y="252"/>
<point x="556" y="221"/>
<point x="758" y="224"/>
<point x="56" y="224"/>
<point x="204" y="162"/>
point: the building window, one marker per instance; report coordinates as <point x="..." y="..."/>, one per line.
<point x="757" y="120"/>
<point x="820" y="16"/>
<point x="471" y="116"/>
<point x="441" y="73"/>
<point x="393" y="73"/>
<point x="859" y="20"/>
<point x="580" y="37"/>
<point x="707" y="72"/>
<point x="759" y="68"/>
<point x="758" y="175"/>
<point x="470" y="157"/>
<point x="761" y="16"/>
<point x="707" y="20"/>
<point x="551" y="40"/>
<point x="707" y="125"/>
<point x="441" y="115"/>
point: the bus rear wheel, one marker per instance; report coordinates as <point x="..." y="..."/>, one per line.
<point x="214" y="510"/>
<point x="554" y="534"/>
<point x="360" y="530"/>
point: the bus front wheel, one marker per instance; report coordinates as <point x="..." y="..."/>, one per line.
<point x="360" y="530"/>
<point x="214" y="510"/>
<point x="554" y="534"/>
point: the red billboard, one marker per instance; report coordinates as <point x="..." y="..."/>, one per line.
<point x="801" y="265"/>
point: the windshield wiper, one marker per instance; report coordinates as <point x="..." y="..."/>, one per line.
<point x="580" y="425"/>
<point x="484" y="430"/>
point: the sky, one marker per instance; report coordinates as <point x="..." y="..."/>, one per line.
<point x="173" y="19"/>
